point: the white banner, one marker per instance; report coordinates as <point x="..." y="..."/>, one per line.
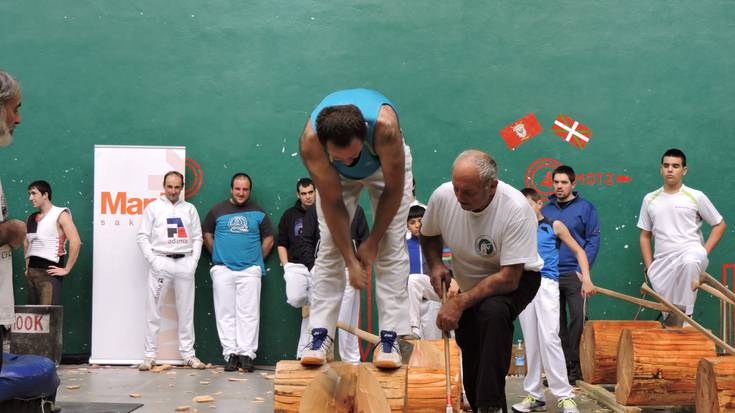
<point x="126" y="179"/>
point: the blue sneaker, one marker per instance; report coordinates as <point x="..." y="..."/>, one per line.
<point x="387" y="354"/>
<point x="319" y="350"/>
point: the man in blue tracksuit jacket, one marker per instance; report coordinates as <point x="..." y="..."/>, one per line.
<point x="580" y="216"/>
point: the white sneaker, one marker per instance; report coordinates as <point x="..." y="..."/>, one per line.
<point x="568" y="405"/>
<point x="194" y="363"/>
<point x="529" y="404"/>
<point x="319" y="350"/>
<point x="147" y="364"/>
<point x="387" y="353"/>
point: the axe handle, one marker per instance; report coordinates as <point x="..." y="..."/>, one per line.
<point x="715" y="292"/>
<point x="712" y="281"/>
<point x="639" y="301"/>
<point x="370" y="338"/>
<point x="674" y="309"/>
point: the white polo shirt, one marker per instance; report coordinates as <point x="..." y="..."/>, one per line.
<point x="676" y="219"/>
<point x="504" y="233"/>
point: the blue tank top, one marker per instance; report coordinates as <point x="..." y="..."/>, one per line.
<point x="548" y="249"/>
<point x="369" y="102"/>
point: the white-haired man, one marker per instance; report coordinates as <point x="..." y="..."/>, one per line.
<point x="491" y="230"/>
<point x="12" y="232"/>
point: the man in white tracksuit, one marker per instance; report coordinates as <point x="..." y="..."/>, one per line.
<point x="672" y="217"/>
<point x="238" y="234"/>
<point x="170" y="238"/>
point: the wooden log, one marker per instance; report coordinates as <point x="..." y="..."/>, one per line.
<point x="659" y="367"/>
<point x="417" y="387"/>
<point x="598" y="349"/>
<point x="716" y="385"/>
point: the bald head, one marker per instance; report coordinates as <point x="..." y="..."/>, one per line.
<point x="478" y="162"/>
<point x="474" y="177"/>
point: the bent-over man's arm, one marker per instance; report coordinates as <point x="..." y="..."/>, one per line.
<point x="388" y="144"/>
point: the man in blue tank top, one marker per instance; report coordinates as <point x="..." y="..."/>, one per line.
<point x="352" y="141"/>
<point x="540" y="319"/>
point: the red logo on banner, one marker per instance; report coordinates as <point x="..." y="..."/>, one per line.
<point x="572" y="131"/>
<point x="520" y="131"/>
<point x="539" y="176"/>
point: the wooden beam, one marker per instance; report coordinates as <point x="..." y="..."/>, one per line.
<point x="606" y="398"/>
<point x="639" y="301"/>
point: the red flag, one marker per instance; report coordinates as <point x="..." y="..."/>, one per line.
<point x="520" y="131"/>
<point x="572" y="131"/>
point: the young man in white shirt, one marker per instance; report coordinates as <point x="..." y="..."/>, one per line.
<point x="672" y="217"/>
<point x="491" y="230"/>
<point x="170" y="238"/>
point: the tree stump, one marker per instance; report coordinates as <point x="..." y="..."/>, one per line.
<point x="659" y="367"/>
<point x="716" y="385"/>
<point x="598" y="349"/>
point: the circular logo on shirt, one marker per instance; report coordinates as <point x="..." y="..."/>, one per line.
<point x="484" y="246"/>
<point x="238" y="224"/>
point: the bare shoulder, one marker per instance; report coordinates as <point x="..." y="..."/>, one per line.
<point x="559" y="227"/>
<point x="309" y="144"/>
<point x="387" y="135"/>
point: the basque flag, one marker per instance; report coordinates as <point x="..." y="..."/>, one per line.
<point x="520" y="131"/>
<point x="572" y="131"/>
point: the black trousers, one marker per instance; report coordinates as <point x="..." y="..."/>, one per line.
<point x="485" y="335"/>
<point x="570" y="328"/>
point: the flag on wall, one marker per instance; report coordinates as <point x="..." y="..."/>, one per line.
<point x="520" y="131"/>
<point x="572" y="131"/>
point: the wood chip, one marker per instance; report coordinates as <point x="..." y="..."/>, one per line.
<point x="203" y="399"/>
<point x="134" y="395"/>
<point x="260" y="399"/>
<point x="73" y="387"/>
<point x="183" y="409"/>
<point x="203" y="382"/>
<point x="235" y="379"/>
<point x="273" y="376"/>
<point x="158" y="369"/>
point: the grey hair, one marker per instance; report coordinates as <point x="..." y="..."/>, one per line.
<point x="9" y="87"/>
<point x="486" y="166"/>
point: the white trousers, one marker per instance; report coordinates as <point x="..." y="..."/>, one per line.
<point x="298" y="287"/>
<point x="672" y="276"/>
<point x="422" y="314"/>
<point x="391" y="264"/>
<point x="237" y="309"/>
<point x="540" y="325"/>
<point x="179" y="274"/>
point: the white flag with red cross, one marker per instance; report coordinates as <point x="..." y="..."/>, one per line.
<point x="572" y="131"/>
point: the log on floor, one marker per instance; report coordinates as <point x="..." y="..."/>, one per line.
<point x="716" y="385"/>
<point x="598" y="349"/>
<point x="659" y="367"/>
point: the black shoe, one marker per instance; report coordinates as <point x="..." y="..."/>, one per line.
<point x="246" y="363"/>
<point x="232" y="363"/>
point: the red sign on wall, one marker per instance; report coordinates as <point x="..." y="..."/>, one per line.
<point x="539" y="176"/>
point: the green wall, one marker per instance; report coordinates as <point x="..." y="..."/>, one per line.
<point x="234" y="81"/>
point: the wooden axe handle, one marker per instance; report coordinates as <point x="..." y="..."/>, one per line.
<point x="370" y="338"/>
<point x="641" y="302"/>
<point x="712" y="281"/>
<point x="674" y="309"/>
<point x="715" y="292"/>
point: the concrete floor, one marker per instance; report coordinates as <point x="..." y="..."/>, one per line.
<point x="232" y="392"/>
